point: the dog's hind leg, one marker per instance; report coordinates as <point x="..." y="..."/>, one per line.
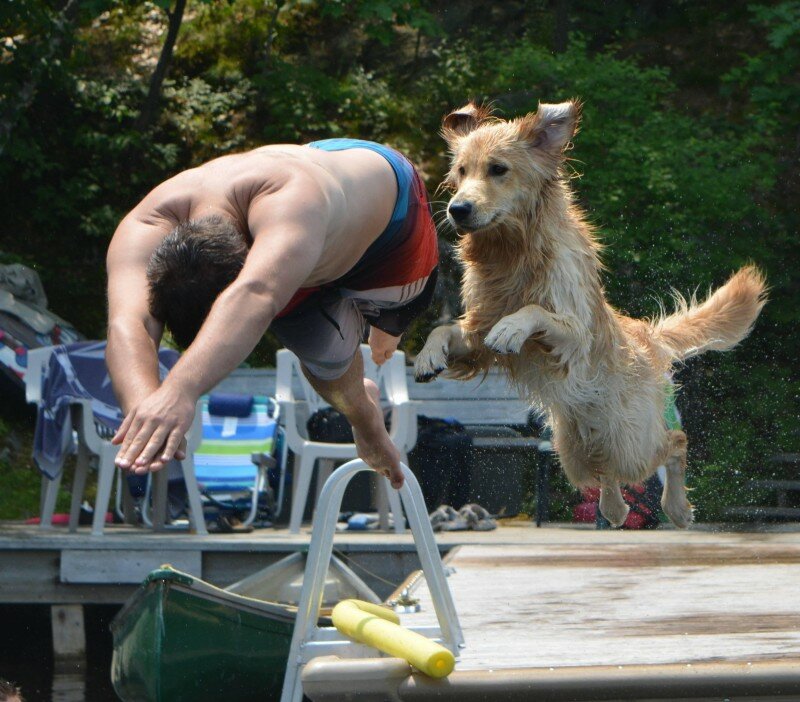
<point x="612" y="505"/>
<point x="673" y="500"/>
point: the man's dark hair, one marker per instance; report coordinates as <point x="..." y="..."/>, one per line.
<point x="9" y="691"/>
<point x="190" y="268"/>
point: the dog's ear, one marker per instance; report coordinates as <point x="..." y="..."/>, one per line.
<point x="551" y="127"/>
<point x="462" y="121"/>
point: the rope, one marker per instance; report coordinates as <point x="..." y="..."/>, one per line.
<point x="351" y="562"/>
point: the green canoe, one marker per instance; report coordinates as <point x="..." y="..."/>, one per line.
<point x="182" y="639"/>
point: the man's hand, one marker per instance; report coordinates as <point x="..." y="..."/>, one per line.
<point x="382" y="345"/>
<point x="154" y="431"/>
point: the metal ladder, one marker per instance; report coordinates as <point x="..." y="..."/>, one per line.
<point x="310" y="640"/>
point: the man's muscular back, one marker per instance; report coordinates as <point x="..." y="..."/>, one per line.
<point x="351" y="193"/>
<point x="306" y="217"/>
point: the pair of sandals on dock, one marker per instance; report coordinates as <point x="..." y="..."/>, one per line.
<point x="470" y="517"/>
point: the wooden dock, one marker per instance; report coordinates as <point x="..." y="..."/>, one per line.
<point x="559" y="613"/>
<point x="50" y="567"/>
<point x="620" y="598"/>
<point x="54" y="567"/>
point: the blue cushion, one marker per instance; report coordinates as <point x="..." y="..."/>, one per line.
<point x="223" y="404"/>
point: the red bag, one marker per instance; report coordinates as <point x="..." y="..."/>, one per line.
<point x="643" y="501"/>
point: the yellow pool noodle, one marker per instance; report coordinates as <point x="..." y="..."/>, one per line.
<point x="380" y="628"/>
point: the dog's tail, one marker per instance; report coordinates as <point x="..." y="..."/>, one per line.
<point x="717" y="324"/>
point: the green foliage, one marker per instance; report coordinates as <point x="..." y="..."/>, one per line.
<point x="380" y="19"/>
<point x="686" y="161"/>
<point x="769" y="78"/>
<point x="21" y="481"/>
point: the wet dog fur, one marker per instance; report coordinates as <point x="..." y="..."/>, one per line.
<point x="534" y="304"/>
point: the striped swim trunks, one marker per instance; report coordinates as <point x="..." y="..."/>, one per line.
<point x="389" y="286"/>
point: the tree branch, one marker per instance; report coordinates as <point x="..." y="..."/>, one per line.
<point x="151" y="103"/>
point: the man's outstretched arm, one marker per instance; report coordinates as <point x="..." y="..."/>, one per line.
<point x="288" y="231"/>
<point x="133" y="334"/>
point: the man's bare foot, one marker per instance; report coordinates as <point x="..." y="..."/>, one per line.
<point x="382" y="345"/>
<point x="373" y="443"/>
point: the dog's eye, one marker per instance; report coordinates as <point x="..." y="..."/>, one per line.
<point x="461" y="170"/>
<point x="498" y="169"/>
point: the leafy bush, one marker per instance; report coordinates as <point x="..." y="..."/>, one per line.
<point x="685" y="181"/>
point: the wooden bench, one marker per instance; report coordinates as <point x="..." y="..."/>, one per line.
<point x="488" y="401"/>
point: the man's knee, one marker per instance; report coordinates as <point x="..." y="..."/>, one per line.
<point x="327" y="370"/>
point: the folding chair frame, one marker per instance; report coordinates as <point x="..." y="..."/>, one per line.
<point x="260" y="460"/>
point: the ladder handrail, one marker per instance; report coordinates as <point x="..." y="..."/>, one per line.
<point x="319" y="555"/>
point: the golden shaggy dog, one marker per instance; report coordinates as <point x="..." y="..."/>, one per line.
<point x="534" y="304"/>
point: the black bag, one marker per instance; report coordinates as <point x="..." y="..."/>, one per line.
<point x="330" y="426"/>
<point x="442" y="462"/>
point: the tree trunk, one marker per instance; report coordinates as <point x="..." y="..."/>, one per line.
<point x="272" y="33"/>
<point x="150" y="108"/>
<point x="561" y="31"/>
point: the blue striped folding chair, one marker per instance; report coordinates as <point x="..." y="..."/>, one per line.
<point x="240" y="436"/>
<point x="239" y="445"/>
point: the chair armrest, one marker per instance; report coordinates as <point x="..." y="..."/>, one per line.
<point x="87" y="431"/>
<point x="194" y="436"/>
<point x="413" y="406"/>
<point x="37" y="360"/>
<point x="397" y="384"/>
<point x="263" y="460"/>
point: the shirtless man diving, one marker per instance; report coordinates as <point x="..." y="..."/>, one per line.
<point x="313" y="241"/>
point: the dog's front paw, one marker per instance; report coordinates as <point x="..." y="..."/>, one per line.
<point x="431" y="361"/>
<point x="508" y="335"/>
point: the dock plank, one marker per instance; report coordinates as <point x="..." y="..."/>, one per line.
<point x="93" y="566"/>
<point x="624" y="604"/>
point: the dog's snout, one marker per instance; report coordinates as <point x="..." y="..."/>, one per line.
<point x="459" y="211"/>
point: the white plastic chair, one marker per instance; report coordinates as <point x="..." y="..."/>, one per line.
<point x="391" y="380"/>
<point x="91" y="443"/>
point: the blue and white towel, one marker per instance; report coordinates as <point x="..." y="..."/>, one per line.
<point x="78" y="371"/>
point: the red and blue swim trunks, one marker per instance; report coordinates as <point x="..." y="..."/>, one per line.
<point x="389" y="286"/>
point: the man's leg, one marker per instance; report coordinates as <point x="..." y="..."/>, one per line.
<point x="358" y="399"/>
<point x="324" y="334"/>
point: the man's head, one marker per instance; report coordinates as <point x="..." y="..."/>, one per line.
<point x="9" y="692"/>
<point x="188" y="271"/>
